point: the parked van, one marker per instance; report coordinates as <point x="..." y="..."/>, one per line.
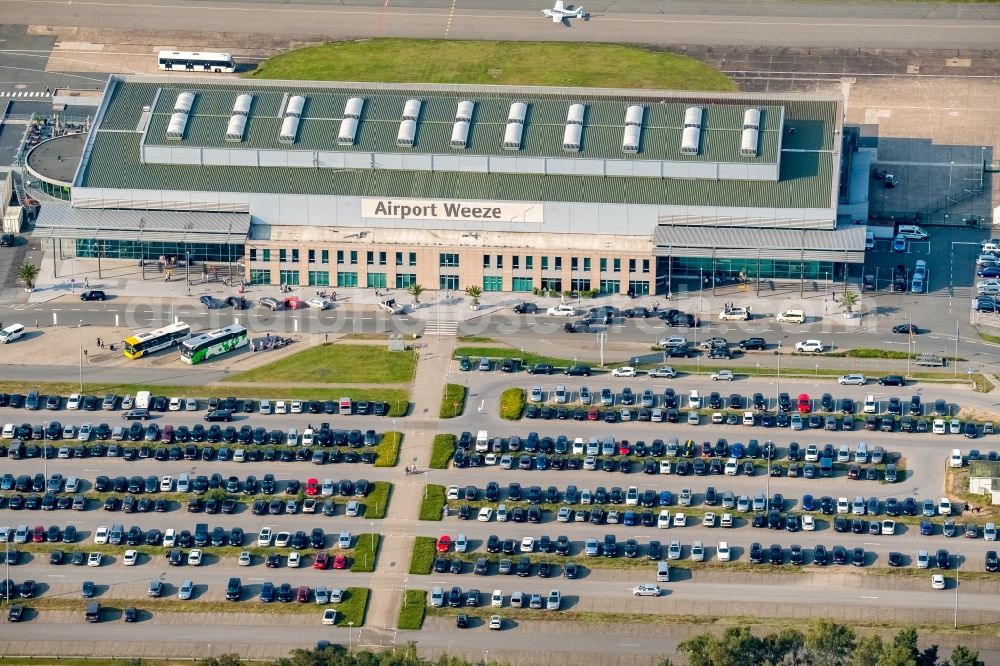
<point x="662" y="572"/>
<point x="142" y="399"/>
<point x="912" y="232"/>
<point x="93" y="612"/>
<point x="345" y="406"/>
<point x="11" y="333"/>
<point x="482" y="441"/>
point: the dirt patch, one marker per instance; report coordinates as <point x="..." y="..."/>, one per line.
<point x="968" y="413"/>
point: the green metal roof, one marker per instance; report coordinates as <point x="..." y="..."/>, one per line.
<point x="805" y="182"/>
<point x="722" y="122"/>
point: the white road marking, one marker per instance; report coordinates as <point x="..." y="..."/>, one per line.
<point x="863" y="597"/>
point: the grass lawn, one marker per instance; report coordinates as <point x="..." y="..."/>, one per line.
<point x="498" y="63"/>
<point x="365" y="552"/>
<point x="444" y="449"/>
<point x="512" y="403"/>
<point x="423" y="555"/>
<point x="432" y="506"/>
<point x="453" y="401"/>
<point x="411" y="614"/>
<point x="377" y="499"/>
<point x="387" y="454"/>
<point x="353" y="608"/>
<point x="336" y="364"/>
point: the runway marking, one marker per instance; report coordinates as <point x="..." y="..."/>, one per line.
<point x="869" y="597"/>
<point x="451" y="16"/>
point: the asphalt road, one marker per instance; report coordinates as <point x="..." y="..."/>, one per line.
<point x="923" y="26"/>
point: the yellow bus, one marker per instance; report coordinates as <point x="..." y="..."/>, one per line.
<point x="141" y="344"/>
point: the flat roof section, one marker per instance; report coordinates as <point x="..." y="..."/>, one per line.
<point x="55" y="160"/>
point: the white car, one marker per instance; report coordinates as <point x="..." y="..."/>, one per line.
<point x="294" y="560"/>
<point x="175" y="404"/>
<point x="528" y="545"/>
<point x="565" y="514"/>
<point x="624" y="371"/>
<point x="485" y="514"/>
<point x="734" y="314"/>
<point x="280" y="407"/>
<point x="693" y="418"/>
<point x="663" y="520"/>
<point x="461" y="543"/>
<point x="723" y="552"/>
<point x="191" y="404"/>
<point x="843" y="505"/>
<point x="697" y="552"/>
<point x="562" y="310"/>
<point x="502" y="516"/>
<point x="809" y="346"/>
<point x="129" y="558"/>
<point x="264" y="537"/>
<point x="319" y="303"/>
<point x="330" y="616"/>
<point x="955" y="427"/>
<point x="8" y="431"/>
<point x="663" y="371"/>
<point x="94" y="560"/>
<point x="281" y="539"/>
<point x="870" y="405"/>
<point x="791" y="317"/>
<point x="496" y="622"/>
<point x="923" y="559"/>
<point x="74" y="401"/>
<point x="888" y="527"/>
<point x="496" y="599"/>
<point x="955" y="460"/>
<point x="646" y="590"/>
<point x="808" y="523"/>
<point x="937" y="582"/>
<point x="944" y="506"/>
<point x="101" y="535"/>
<point x="194" y="557"/>
<point x="939" y="427"/>
<point x="680" y="519"/>
<point x="296" y="407"/>
<point x="708" y="520"/>
<point x="726" y="520"/>
<point x="674" y="341"/>
<point x="854" y="380"/>
<point x="812" y="453"/>
<point x="732" y="467"/>
<point x="86" y="430"/>
<point x="694" y="399"/>
<point x="536" y="394"/>
<point x="344" y="541"/>
<point x="723" y="376"/>
<point x="244" y="559"/>
<point x="166" y="483"/>
<point x="749" y="419"/>
<point x="453" y="492"/>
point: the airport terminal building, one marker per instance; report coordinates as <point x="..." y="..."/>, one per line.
<point x="512" y="189"/>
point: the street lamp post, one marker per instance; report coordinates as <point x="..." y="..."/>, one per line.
<point x="81" y="355"/>
<point x="958" y="562"/>
<point x="777" y="381"/>
<point x="350" y="636"/>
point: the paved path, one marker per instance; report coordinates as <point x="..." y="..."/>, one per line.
<point x="404" y="509"/>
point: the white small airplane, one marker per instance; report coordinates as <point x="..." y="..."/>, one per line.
<point x="559" y="13"/>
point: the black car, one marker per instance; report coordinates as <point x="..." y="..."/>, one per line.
<point x="526" y="308"/>
<point x="891" y="380"/>
<point x="905" y="328"/>
<point x="541" y="369"/>
<point x="752" y="344"/>
<point x="93" y="295"/>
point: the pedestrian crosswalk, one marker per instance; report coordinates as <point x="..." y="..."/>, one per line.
<point x="441" y="327"/>
<point x="25" y="93"/>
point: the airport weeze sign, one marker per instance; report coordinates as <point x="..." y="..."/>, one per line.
<point x="450" y="210"/>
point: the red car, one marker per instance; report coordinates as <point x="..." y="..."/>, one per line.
<point x="312" y="487"/>
<point x="38" y="534"/>
<point x="804" y="403"/>
<point x="593" y="415"/>
<point x="167" y="434"/>
<point x="302" y="594"/>
<point x="293" y="303"/>
<point x="340" y="562"/>
<point x="444" y="543"/>
<point x="623" y="449"/>
<point x="322" y="560"/>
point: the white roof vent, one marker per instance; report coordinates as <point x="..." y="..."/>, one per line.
<point x="751" y="119"/>
<point x="242" y="105"/>
<point x="575" y="114"/>
<point x="175" y="129"/>
<point x="518" y="112"/>
<point x="630" y="142"/>
<point x="512" y="135"/>
<point x="295" y="105"/>
<point x="185" y="101"/>
<point x="411" y="110"/>
<point x="460" y="134"/>
<point x="693" y="115"/>
<point x="237" y="125"/>
<point x="289" y="129"/>
<point x="573" y="137"/>
<point x="407" y="133"/>
<point x="634" y="114"/>
<point x="354" y="107"/>
<point x="348" y="131"/>
<point x="465" y="110"/>
<point x="748" y="143"/>
<point x="691" y="136"/>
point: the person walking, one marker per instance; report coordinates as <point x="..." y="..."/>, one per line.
<point x="86" y="283"/>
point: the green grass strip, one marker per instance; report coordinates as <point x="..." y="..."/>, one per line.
<point x="411" y="614"/>
<point x="453" y="401"/>
<point x="432" y="506"/>
<point x="387" y="454"/>
<point x="512" y="404"/>
<point x="423" y="555"/>
<point x="443" y="450"/>
<point x="365" y="552"/>
<point x="377" y="500"/>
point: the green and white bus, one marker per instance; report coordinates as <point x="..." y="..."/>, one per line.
<point x="214" y="343"/>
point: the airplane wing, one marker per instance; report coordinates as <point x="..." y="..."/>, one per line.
<point x="556" y="18"/>
<point x="559" y="6"/>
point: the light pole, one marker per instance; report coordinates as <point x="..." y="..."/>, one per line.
<point x="909" y="344"/>
<point x="958" y="562"/>
<point x="81" y="355"/>
<point x="350" y="636"/>
<point x="777" y="381"/>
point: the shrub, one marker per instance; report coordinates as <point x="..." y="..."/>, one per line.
<point x="365" y="553"/>
<point x="387" y="454"/>
<point x="423" y="555"/>
<point x="377" y="499"/>
<point x="453" y="401"/>
<point x="512" y="404"/>
<point x="432" y="507"/>
<point x="444" y="449"/>
<point x="411" y="614"/>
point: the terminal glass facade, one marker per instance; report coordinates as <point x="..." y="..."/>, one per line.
<point x="781" y="269"/>
<point x="88" y="248"/>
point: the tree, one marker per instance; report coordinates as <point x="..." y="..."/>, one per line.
<point x="28" y="273"/>
<point x="784" y="647"/>
<point x="896" y="654"/>
<point x="848" y="301"/>
<point x="867" y="651"/>
<point x="829" y="644"/>
<point x="906" y="639"/>
<point x="474" y="292"/>
<point x="963" y="656"/>
<point x="415" y="290"/>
